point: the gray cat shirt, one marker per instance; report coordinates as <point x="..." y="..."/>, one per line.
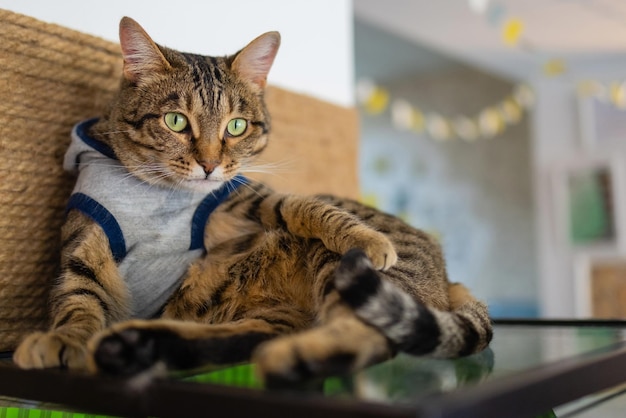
<point x="155" y="233"/>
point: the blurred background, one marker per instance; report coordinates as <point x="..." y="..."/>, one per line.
<point x="497" y="125"/>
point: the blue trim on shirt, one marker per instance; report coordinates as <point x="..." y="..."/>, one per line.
<point x="102" y="217"/>
<point x="207" y="206"/>
<point x="82" y="130"/>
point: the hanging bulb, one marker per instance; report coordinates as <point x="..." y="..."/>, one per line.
<point x="554" y="67"/>
<point x="524" y="96"/>
<point x="377" y="102"/>
<point x="512" y="31"/>
<point x="465" y="128"/>
<point x="490" y="122"/>
<point x="510" y="110"/>
<point x="419" y="121"/>
<point x="437" y="127"/>
<point x="402" y="114"/>
<point x="617" y="93"/>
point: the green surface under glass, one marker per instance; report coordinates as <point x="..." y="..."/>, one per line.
<point x="406" y="379"/>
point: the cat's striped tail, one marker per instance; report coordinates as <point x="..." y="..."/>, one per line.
<point x="410" y="326"/>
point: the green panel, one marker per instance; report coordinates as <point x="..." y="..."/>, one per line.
<point x="15" y="412"/>
<point x="590" y="212"/>
<point x="239" y="376"/>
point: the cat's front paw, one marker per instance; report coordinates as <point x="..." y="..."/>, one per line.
<point x="42" y="350"/>
<point x="379" y="250"/>
<point x="122" y="351"/>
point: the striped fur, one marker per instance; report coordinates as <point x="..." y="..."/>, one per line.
<point x="411" y="326"/>
<point x="305" y="286"/>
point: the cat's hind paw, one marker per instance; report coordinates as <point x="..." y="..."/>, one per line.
<point x="376" y="301"/>
<point x="337" y="348"/>
<point x="42" y="350"/>
<point x="356" y="273"/>
<point x="286" y="361"/>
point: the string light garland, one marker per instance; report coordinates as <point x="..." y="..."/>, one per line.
<point x="613" y="92"/>
<point x="496" y="14"/>
<point x="492" y="120"/>
<point x="488" y="123"/>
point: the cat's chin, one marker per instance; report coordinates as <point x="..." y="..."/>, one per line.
<point x="201" y="185"/>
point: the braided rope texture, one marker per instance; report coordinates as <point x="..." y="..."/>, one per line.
<point x="50" y="78"/>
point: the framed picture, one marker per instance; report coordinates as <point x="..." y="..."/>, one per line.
<point x="602" y="124"/>
<point x="589" y="215"/>
<point x="600" y="287"/>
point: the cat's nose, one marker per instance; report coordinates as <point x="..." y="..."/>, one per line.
<point x="208" y="166"/>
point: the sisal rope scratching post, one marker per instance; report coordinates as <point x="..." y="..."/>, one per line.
<point x="52" y="77"/>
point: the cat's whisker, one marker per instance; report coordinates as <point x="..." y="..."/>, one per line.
<point x="272" y="173"/>
<point x="276" y="175"/>
<point x="245" y="184"/>
<point x="286" y="165"/>
<point x="154" y="173"/>
<point x="230" y="187"/>
<point x="271" y="168"/>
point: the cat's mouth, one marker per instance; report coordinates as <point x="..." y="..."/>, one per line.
<point x="205" y="185"/>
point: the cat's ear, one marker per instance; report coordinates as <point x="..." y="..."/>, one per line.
<point x="253" y="62"/>
<point x="142" y="57"/>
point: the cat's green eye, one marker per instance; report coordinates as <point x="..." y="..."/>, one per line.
<point x="177" y="122"/>
<point x="236" y="127"/>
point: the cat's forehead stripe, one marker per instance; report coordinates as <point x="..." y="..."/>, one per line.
<point x="207" y="77"/>
<point x="216" y="70"/>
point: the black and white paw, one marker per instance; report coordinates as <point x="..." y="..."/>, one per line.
<point x="126" y="352"/>
<point x="356" y="279"/>
<point x="375" y="301"/>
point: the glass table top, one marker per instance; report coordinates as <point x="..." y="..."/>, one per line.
<point x="514" y="349"/>
<point x="406" y="379"/>
<point x="523" y="360"/>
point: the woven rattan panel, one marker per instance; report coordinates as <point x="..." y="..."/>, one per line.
<point x="50" y="78"/>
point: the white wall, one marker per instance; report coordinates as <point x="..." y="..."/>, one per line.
<point x="476" y="198"/>
<point x="316" y="55"/>
<point x="557" y="142"/>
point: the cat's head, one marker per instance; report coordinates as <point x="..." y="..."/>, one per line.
<point x="184" y="120"/>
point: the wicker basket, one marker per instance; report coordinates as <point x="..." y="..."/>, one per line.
<point x="52" y="77"/>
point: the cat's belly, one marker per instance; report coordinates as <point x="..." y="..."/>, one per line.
<point x="151" y="279"/>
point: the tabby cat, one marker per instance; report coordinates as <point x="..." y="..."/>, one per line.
<point x="162" y="224"/>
